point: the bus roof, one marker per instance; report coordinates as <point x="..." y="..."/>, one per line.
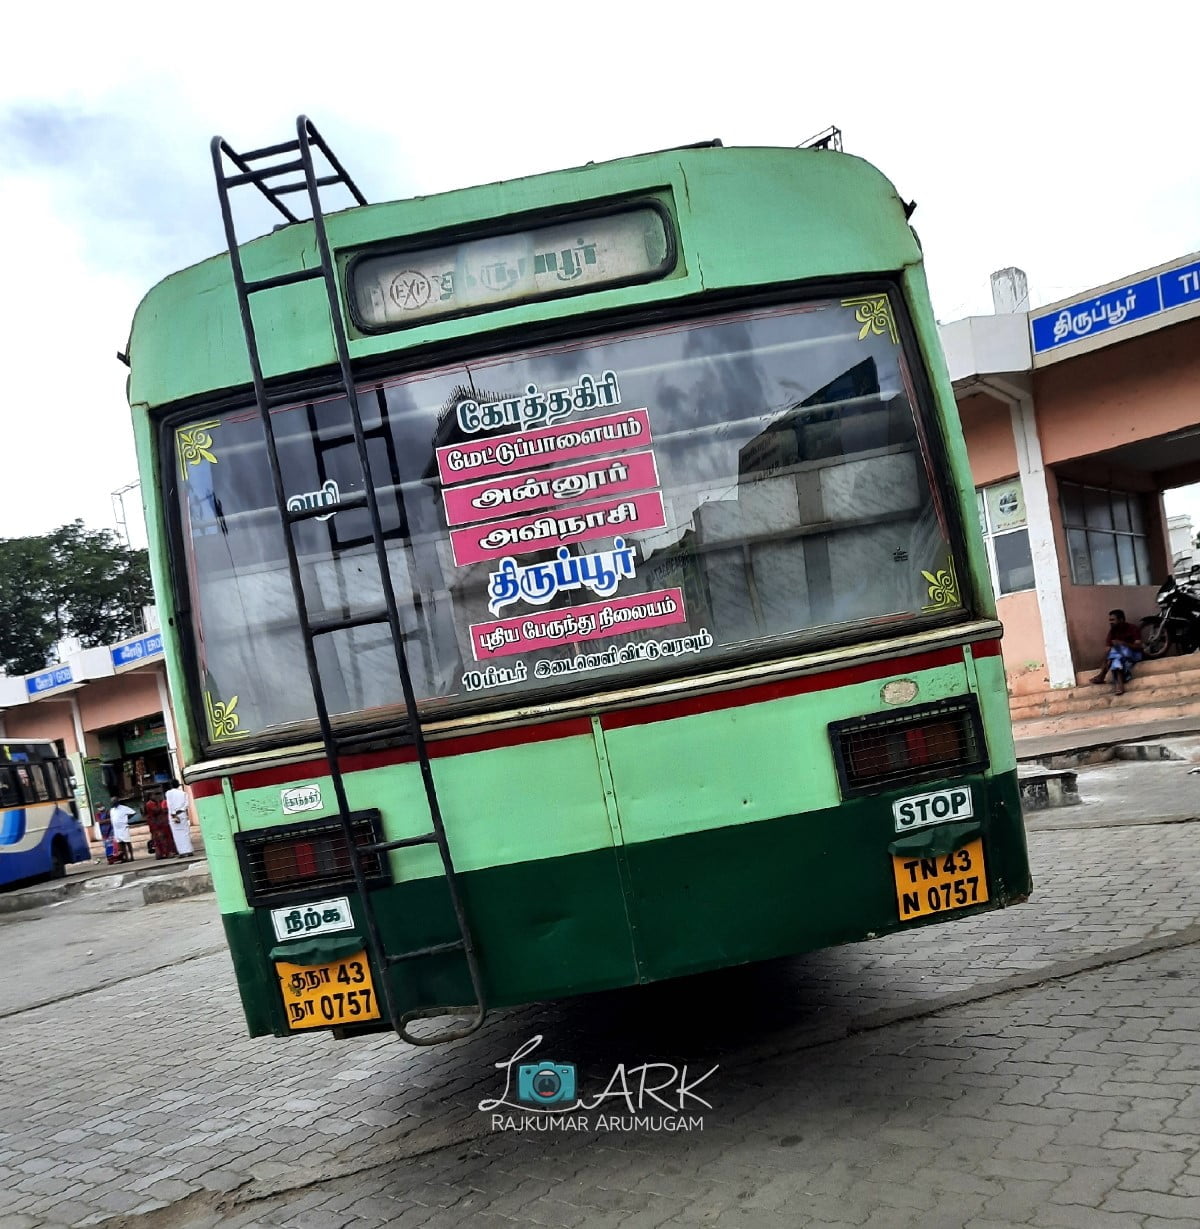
<point x="814" y="213"/>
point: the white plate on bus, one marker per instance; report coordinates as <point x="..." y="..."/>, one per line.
<point x="939" y="806"/>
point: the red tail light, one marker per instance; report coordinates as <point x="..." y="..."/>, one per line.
<point x="308" y="857"/>
<point x="875" y="752"/>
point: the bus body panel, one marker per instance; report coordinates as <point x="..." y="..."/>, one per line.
<point x="681" y="905"/>
<point x="705" y="825"/>
<point x="814" y="215"/>
<point x="689" y="877"/>
<point x="27" y="839"/>
<point x="40" y="830"/>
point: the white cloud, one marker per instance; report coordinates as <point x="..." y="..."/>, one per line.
<point x="1028" y="133"/>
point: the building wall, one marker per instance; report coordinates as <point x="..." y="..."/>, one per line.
<point x="987" y="428"/>
<point x="1087" y="606"/>
<point x="1141" y="388"/>
<point x="50" y="718"/>
<point x="118" y="700"/>
<point x="1023" y="646"/>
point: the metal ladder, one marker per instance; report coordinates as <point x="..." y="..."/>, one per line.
<point x="293" y="163"/>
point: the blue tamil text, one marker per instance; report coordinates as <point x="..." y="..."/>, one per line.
<point x="537" y="583"/>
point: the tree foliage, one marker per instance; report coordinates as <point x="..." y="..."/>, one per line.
<point x="72" y="582"/>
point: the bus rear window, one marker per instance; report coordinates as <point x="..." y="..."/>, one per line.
<point x="659" y="501"/>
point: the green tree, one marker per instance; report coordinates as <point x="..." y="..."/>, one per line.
<point x="72" y="582"/>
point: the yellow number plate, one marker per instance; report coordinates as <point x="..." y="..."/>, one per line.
<point x="321" y="995"/>
<point x="938" y="885"/>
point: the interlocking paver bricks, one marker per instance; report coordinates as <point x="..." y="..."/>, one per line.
<point x="1063" y="1074"/>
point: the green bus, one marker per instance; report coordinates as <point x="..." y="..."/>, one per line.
<point x="568" y="583"/>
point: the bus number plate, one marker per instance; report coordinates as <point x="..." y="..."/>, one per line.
<point x="323" y="995"/>
<point x="925" y="886"/>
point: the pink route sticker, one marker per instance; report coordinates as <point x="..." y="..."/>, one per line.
<point x="560" y="527"/>
<point x="482" y="501"/>
<point x="590" y="437"/>
<point x="547" y="629"/>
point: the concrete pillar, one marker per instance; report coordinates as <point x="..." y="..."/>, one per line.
<point x="81" y="794"/>
<point x="164" y="698"/>
<point x="1010" y="291"/>
<point x="1047" y="575"/>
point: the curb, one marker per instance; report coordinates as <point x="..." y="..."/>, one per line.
<point x="160" y="886"/>
<point x="176" y="887"/>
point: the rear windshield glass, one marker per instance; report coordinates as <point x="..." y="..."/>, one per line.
<point x="659" y="501"/>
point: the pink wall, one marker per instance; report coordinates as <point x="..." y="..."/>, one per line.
<point x="1087" y="617"/>
<point x="1087" y="606"/>
<point x="1023" y="648"/>
<point x="102" y="703"/>
<point x="1144" y="387"/>
<point x="115" y="701"/>
<point x="45" y="719"/>
<point x="987" y="427"/>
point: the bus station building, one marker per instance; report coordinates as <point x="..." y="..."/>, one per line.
<point x="110" y="710"/>
<point x="1077" y="417"/>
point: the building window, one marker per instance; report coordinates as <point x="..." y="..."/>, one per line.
<point x="1106" y="536"/>
<point x="1002" y="519"/>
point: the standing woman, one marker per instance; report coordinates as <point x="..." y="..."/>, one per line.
<point x="160" y="828"/>
<point x="180" y="820"/>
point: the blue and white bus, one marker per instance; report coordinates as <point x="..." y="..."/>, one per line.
<point x="40" y="829"/>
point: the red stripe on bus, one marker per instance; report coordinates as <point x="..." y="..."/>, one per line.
<point x="285" y="774"/>
<point x="762" y="692"/>
<point x="517" y="736"/>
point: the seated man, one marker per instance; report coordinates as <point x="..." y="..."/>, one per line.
<point x="1123" y="648"/>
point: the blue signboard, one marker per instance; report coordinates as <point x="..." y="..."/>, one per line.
<point x="36" y="684"/>
<point x="1180" y="285"/>
<point x="137" y="650"/>
<point x="1116" y="307"/>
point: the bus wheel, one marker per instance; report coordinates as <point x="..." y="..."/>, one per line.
<point x="58" y="860"/>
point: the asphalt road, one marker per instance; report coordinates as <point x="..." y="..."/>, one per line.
<point x="1039" y="1066"/>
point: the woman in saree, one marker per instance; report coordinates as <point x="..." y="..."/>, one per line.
<point x="160" y="827"/>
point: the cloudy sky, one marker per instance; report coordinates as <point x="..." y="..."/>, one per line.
<point x="1052" y="136"/>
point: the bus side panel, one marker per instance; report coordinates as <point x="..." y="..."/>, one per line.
<point x="27" y="836"/>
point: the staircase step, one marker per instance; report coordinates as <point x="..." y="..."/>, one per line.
<point x="1122" y="710"/>
<point x="1095" y="698"/>
<point x="1189" y="663"/>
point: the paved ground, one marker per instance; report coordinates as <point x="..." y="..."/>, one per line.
<point x="1034" y="1067"/>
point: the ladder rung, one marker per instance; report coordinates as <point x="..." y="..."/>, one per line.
<point x="283" y="279"/>
<point x="437" y="949"/>
<point x="322" y="627"/>
<point x="347" y="503"/>
<point x="301" y="185"/>
<point x="405" y="842"/>
<point x="262" y="174"/>
<point x="270" y="151"/>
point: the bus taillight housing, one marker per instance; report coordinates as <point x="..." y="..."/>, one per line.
<point x="296" y="860"/>
<point x="882" y="750"/>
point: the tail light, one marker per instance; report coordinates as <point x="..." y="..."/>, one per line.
<point x="874" y="753"/>
<point x="301" y="859"/>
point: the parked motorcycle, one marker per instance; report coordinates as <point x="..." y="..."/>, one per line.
<point x="1177" y="625"/>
